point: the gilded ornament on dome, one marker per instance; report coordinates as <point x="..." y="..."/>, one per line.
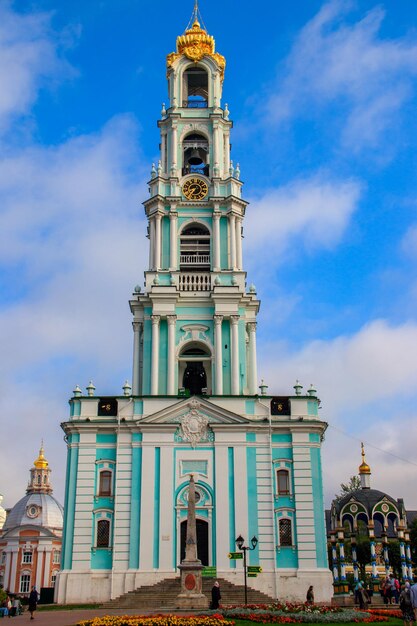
<point x="195" y="44"/>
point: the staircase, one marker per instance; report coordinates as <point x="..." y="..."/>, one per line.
<point x="163" y="595"/>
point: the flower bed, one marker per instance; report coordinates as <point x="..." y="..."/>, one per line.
<point x="157" y="620"/>
<point x="387" y="612"/>
<point x="299" y="613"/>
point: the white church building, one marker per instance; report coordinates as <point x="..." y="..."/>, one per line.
<point x="196" y="405"/>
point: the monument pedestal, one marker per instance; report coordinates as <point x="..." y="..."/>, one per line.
<point x="191" y="596"/>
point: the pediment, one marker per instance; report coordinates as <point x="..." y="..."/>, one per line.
<point x="211" y="413"/>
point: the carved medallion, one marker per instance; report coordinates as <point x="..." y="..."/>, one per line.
<point x="194" y="425"/>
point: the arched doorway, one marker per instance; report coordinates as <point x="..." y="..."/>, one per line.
<point x="202" y="540"/>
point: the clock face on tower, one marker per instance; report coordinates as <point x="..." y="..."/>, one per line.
<point x="195" y="188"/>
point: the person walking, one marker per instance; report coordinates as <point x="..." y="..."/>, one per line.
<point x="310" y="595"/>
<point x="413" y="596"/>
<point x="363" y="598"/>
<point x="33" y="602"/>
<point x="406" y="606"/>
<point x="215" y="595"/>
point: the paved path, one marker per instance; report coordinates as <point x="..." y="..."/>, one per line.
<point x="68" y="618"/>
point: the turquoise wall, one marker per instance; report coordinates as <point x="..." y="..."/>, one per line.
<point x="232" y="512"/>
<point x="163" y="355"/>
<point x="147" y="346"/>
<point x="318" y="501"/>
<point x="69" y="505"/>
<point x="226" y="357"/>
<point x="252" y="504"/>
<point x="135" y="503"/>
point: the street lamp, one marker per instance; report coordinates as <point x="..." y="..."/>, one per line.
<point x="240" y="545"/>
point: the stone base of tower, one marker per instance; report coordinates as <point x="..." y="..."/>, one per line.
<point x="290" y="585"/>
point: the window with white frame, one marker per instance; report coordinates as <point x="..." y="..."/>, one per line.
<point x="27" y="556"/>
<point x="3" y="558"/>
<point x="103" y="533"/>
<point x="105" y="482"/>
<point x="283" y="482"/>
<point x="53" y="578"/>
<point x="24" y="583"/>
<point x="285" y="532"/>
<point x="56" y="559"/>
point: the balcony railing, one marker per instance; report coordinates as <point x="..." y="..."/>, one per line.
<point x="196" y="281"/>
<point x="204" y="170"/>
<point x="195" y="104"/>
<point x="194" y="259"/>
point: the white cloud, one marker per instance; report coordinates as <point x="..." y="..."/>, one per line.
<point x="309" y="213"/>
<point x="337" y="61"/>
<point x="29" y="60"/>
<point x="367" y="384"/>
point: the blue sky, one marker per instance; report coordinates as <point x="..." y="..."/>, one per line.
<point x="323" y="98"/>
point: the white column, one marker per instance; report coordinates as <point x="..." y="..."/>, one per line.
<point x="171" y="354"/>
<point x="174" y="151"/>
<point x="218" y="354"/>
<point x="253" y="374"/>
<point x="155" y="354"/>
<point x="239" y="243"/>
<point x="232" y="241"/>
<point x="216" y="241"/>
<point x="39" y="567"/>
<point x="173" y="240"/>
<point x="137" y="328"/>
<point x="234" y="321"/>
<point x="151" y="243"/>
<point x="216" y="151"/>
<point x="163" y="152"/>
<point x="158" y="218"/>
<point x="226" y="153"/>
<point x="47" y="567"/>
<point x="122" y="505"/>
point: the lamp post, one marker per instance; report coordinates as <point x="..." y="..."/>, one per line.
<point x="240" y="546"/>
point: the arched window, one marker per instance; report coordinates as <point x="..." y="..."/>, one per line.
<point x="195" y="88"/>
<point x="103" y="533"/>
<point x="285" y="532"/>
<point x="24" y="585"/>
<point x="53" y="578"/>
<point x="195" y="247"/>
<point x="195" y="155"/>
<point x="39" y="479"/>
<point x="104" y="488"/>
<point x="283" y="482"/>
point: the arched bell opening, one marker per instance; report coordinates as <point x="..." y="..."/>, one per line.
<point x="195" y="369"/>
<point x="195" y="155"/>
<point x="195" y="247"/>
<point x="195" y="88"/>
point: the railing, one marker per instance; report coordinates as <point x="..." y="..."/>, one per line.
<point x="196" y="169"/>
<point x="194" y="282"/>
<point x="194" y="259"/>
<point x="195" y="104"/>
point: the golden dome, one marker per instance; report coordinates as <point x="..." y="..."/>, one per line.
<point x="41" y="462"/>
<point x="195" y="44"/>
<point x="364" y="467"/>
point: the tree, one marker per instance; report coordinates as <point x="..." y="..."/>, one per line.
<point x="353" y="485"/>
<point x="413" y="541"/>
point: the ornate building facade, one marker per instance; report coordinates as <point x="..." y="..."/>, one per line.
<point x="194" y="406"/>
<point x="373" y="514"/>
<point x="30" y="541"/>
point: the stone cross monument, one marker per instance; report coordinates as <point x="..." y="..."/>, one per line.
<point x="191" y="596"/>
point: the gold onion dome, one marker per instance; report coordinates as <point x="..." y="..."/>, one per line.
<point x="41" y="462"/>
<point x="364" y="467"/>
<point x="195" y="44"/>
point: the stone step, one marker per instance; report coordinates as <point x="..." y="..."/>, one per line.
<point x="164" y="594"/>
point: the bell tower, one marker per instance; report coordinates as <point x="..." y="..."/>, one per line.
<point x="195" y="323"/>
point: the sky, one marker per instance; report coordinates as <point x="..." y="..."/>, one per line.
<point x="323" y="98"/>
